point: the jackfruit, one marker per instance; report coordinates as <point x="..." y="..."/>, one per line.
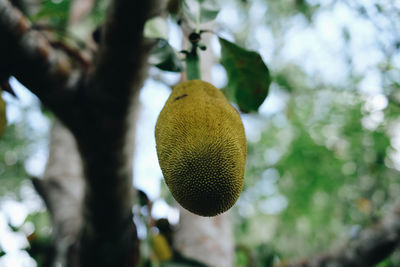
<point x="201" y="148"/>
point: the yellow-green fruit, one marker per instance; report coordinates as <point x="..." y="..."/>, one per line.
<point x="201" y="147"/>
<point x="161" y="248"/>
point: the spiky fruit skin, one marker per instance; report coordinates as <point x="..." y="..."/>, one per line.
<point x="201" y="148"/>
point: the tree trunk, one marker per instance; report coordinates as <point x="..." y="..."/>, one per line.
<point x="62" y="189"/>
<point x="208" y="240"/>
<point x="96" y="103"/>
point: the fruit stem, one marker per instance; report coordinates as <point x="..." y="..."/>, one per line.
<point x="193" y="64"/>
<point x="198" y="21"/>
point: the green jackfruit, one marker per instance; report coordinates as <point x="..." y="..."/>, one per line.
<point x="201" y="148"/>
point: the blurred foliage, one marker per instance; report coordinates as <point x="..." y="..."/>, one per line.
<point x="41" y="245"/>
<point x="56" y="13"/>
<point x="262" y="255"/>
<point x="326" y="164"/>
<point x="327" y="167"/>
<point x="18" y="143"/>
<point x="13" y="148"/>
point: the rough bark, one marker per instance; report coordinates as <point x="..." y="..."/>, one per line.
<point x="28" y="55"/>
<point x="62" y="189"/>
<point x="106" y="135"/>
<point x="372" y="246"/>
<point x="208" y="240"/>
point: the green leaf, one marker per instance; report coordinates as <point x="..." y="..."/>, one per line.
<point x="2" y="252"/>
<point x="156" y="28"/>
<point x="207" y="9"/>
<point x="248" y="76"/>
<point x="164" y="57"/>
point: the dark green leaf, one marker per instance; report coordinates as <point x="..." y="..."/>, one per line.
<point x="143" y="199"/>
<point x="248" y="76"/>
<point x="2" y="253"/>
<point x="208" y="14"/>
<point x="164" y="57"/>
<point x="13" y="228"/>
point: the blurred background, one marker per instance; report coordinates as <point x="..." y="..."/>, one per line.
<point x="323" y="150"/>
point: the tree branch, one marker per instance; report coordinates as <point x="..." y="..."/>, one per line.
<point x="105" y="134"/>
<point x="370" y="247"/>
<point x="27" y="55"/>
<point x="123" y="49"/>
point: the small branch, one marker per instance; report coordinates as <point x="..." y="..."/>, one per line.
<point x="27" y="55"/>
<point x="372" y="246"/>
<point x="193" y="71"/>
<point x="123" y="52"/>
<point x="193" y="65"/>
<point x="73" y="53"/>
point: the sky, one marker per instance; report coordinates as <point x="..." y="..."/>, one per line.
<point x="318" y="48"/>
